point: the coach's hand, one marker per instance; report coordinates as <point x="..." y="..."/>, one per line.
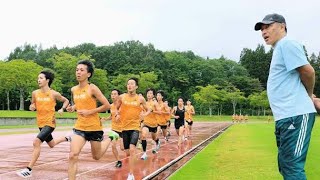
<point x="316" y="102"/>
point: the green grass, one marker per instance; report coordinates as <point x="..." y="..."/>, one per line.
<point x="246" y="151"/>
<point x="207" y="118"/>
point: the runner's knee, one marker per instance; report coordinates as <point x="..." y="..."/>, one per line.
<point x="73" y="156"/>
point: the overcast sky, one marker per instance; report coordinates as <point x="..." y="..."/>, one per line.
<point x="207" y="27"/>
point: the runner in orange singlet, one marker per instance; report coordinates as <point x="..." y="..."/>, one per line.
<point x="88" y="126"/>
<point x="162" y="112"/>
<point x="131" y="114"/>
<point x="150" y="124"/>
<point x="189" y="117"/>
<point x="116" y="126"/>
<point x="44" y="102"/>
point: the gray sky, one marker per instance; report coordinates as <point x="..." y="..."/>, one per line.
<point x="207" y="27"/>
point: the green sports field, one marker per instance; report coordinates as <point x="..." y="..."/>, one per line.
<point x="246" y="151"/>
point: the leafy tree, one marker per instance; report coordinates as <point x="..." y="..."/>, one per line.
<point x="235" y="96"/>
<point x="257" y="62"/>
<point x="27" y="52"/>
<point x="259" y="100"/>
<point x="7" y="80"/>
<point x="25" y="77"/>
<point x="207" y="96"/>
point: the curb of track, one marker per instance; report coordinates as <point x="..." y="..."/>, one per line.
<point x="209" y="139"/>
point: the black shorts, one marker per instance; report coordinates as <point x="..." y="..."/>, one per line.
<point x="120" y="133"/>
<point x="190" y="123"/>
<point x="151" y="129"/>
<point x="163" y="126"/>
<point x="178" y="123"/>
<point x="130" y="137"/>
<point x="90" y="135"/>
<point x="45" y="133"/>
<point x="169" y="123"/>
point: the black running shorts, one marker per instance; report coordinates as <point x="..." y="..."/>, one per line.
<point x="151" y="129"/>
<point x="45" y="134"/>
<point x="90" y="135"/>
<point x="178" y="123"/>
<point x="130" y="137"/>
<point x="190" y="123"/>
<point x="163" y="126"/>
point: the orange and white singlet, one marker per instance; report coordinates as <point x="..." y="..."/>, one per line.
<point x="130" y="112"/>
<point x="161" y="118"/>
<point x="188" y="114"/>
<point x="116" y="125"/>
<point x="45" y="105"/>
<point x="84" y="101"/>
<point x="151" y="120"/>
<point x="168" y="116"/>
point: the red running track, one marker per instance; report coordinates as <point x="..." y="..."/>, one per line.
<point x="15" y="153"/>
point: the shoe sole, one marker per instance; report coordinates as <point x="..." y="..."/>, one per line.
<point x="23" y="176"/>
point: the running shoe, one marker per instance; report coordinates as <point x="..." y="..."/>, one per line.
<point x="144" y="156"/>
<point x="130" y="177"/>
<point x="25" y="173"/>
<point x="68" y="138"/>
<point x="119" y="164"/>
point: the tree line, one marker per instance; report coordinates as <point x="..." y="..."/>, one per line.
<point x="215" y="86"/>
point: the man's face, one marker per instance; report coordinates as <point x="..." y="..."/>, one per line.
<point x="159" y="97"/>
<point x="42" y="81"/>
<point x="150" y="95"/>
<point x="272" y="33"/>
<point x="114" y="95"/>
<point x="131" y="86"/>
<point x="82" y="72"/>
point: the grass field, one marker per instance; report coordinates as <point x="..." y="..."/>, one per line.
<point x="246" y="151"/>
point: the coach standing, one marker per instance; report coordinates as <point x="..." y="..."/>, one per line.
<point x="290" y="88"/>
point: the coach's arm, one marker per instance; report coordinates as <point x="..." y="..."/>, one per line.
<point x="307" y="76"/>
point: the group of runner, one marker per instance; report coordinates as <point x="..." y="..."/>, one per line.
<point x="240" y="118"/>
<point x="132" y="118"/>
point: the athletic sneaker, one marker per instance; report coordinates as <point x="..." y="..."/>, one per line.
<point x="156" y="147"/>
<point x="68" y="138"/>
<point x="25" y="173"/>
<point x="166" y="138"/>
<point x="119" y="164"/>
<point x="144" y="156"/>
<point x="114" y="135"/>
<point x="130" y="177"/>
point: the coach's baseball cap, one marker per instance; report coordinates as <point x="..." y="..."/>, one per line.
<point x="269" y="19"/>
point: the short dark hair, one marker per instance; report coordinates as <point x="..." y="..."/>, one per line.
<point x="161" y="92"/>
<point x="89" y="64"/>
<point x="119" y="92"/>
<point x="151" y="89"/>
<point x="48" y="75"/>
<point x="135" y="79"/>
<point x="181" y="98"/>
